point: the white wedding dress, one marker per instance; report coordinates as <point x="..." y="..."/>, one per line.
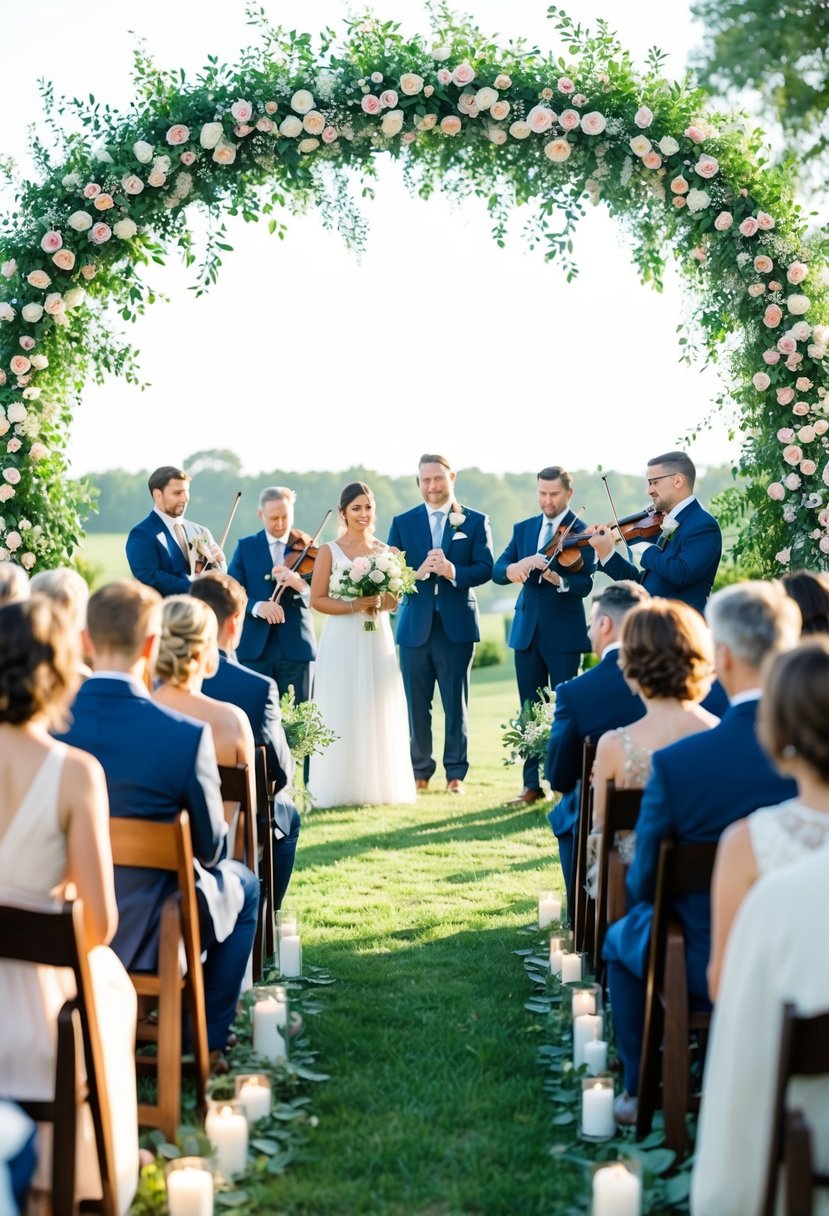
<point x="359" y="691"/>
<point x="33" y="864"/>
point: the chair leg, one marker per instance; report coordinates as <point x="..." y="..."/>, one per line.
<point x="649" y="1065"/>
<point x="65" y="1130"/>
<point x="169" y="1025"/>
<point x="799" y="1166"/>
<point x="675" y="1058"/>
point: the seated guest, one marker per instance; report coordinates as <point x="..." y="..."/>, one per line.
<point x="586" y="707"/>
<point x="794" y="732"/>
<point x="773" y="958"/>
<point x="14" y="583"/>
<point x="187" y="652"/>
<point x="54" y="831"/>
<point x="810" y="591"/>
<point x="697" y="788"/>
<point x="66" y="587"/>
<point x="157" y="763"/>
<point x="258" y="696"/>
<point x="666" y="657"/>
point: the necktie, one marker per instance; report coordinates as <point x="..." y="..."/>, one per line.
<point x="437" y="528"/>
<point x="546" y="536"/>
<point x="181" y="537"/>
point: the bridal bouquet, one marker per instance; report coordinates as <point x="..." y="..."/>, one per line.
<point x="526" y="737"/>
<point x="380" y="573"/>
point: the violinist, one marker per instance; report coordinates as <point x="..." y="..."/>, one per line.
<point x="278" y="639"/>
<point x="681" y="558"/>
<point x="165" y="550"/>
<point x="549" y="632"/>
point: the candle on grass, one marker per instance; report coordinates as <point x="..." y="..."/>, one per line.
<point x="269" y="1021"/>
<point x="290" y="955"/>
<point x="584" y="1001"/>
<point x="597" y="1121"/>
<point x="586" y="1027"/>
<point x="556" y="952"/>
<point x="254" y="1092"/>
<point x="595" y="1056"/>
<point x="227" y="1130"/>
<point x="189" y="1189"/>
<point x="549" y="909"/>
<point x="570" y="968"/>
<point x="616" y="1192"/>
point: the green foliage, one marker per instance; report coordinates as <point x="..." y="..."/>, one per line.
<point x="526" y="737"/>
<point x="488" y="653"/>
<point x="305" y="730"/>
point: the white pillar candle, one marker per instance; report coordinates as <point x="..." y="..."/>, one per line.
<point x="570" y="968"/>
<point x="549" y="909"/>
<point x="288" y="927"/>
<point x="227" y="1131"/>
<point x="583" y="1002"/>
<point x="595" y="1057"/>
<point x="597" y="1111"/>
<point x="290" y="955"/>
<point x="268" y="1016"/>
<point x="585" y="1028"/>
<point x="616" y="1192"/>
<point x="555" y="955"/>
<point x="256" y="1099"/>
<point x="190" y="1192"/>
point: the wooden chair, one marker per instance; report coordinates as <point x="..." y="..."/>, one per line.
<point x="621" y="813"/>
<point x="264" y="808"/>
<point x="684" y="869"/>
<point x="235" y="788"/>
<point x="582" y="911"/>
<point x="168" y="847"/>
<point x="804" y="1052"/>
<point x="55" y="938"/>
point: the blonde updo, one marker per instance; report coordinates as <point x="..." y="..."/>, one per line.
<point x="189" y="638"/>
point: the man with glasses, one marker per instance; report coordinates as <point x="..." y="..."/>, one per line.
<point x="682" y="563"/>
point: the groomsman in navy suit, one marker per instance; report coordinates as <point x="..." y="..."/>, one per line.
<point x="595" y="702"/>
<point x="682" y="564"/>
<point x="258" y="696"/>
<point x="157" y="763"/>
<point x="549" y="633"/>
<point x="161" y="550"/>
<point x="278" y="640"/>
<point x="698" y="787"/>
<point x="450" y="546"/>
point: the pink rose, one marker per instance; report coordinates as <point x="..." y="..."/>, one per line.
<point x="794" y="361"/>
<point x="786" y="345"/>
<point x="100" y="233"/>
<point x="593" y="123"/>
<point x="103" y="202"/>
<point x="792" y="454"/>
<point x="771" y="357"/>
<point x="451" y="125"/>
<point x="13" y="446"/>
<point x="800" y="410"/>
<point x="803" y="384"/>
<point x="188" y="157"/>
<point x="565" y="85"/>
<point x="783" y="557"/>
<point x="707" y="167"/>
<point x="224" y="153"/>
<point x="823" y="544"/>
<point x="808" y="468"/>
<point x="329" y="135"/>
<point x="761" y="381"/>
<point x="807" y="434"/>
<point x="64" y="259"/>
<point x="568" y="120"/>
<point x="271" y="107"/>
<point x="699" y="254"/>
<point x="178" y="134"/>
<point x="91" y="190"/>
<point x="51" y="241"/>
<point x="776" y="491"/>
<point x="694" y="134"/>
<point x="541" y="118"/>
<point x="546" y="95"/>
<point x="242" y="129"/>
<point x="9" y="269"/>
<point x="132" y="184"/>
<point x="28" y="343"/>
<point x="763" y="264"/>
<point x="89" y="270"/>
<point x="558" y="150"/>
<point x="388" y="99"/>
<point x="28" y="560"/>
<point x="463" y="74"/>
<point x="679" y="185"/>
<point x="14" y="540"/>
<point x="797" y="272"/>
<point x="723" y="221"/>
<point x="19" y="365"/>
<point x="679" y="201"/>
<point x="643" y="117"/>
<point x="749" y="226"/>
<point x="773" y="316"/>
<point x="785" y="434"/>
<point x="39" y="279"/>
<point x="371" y="104"/>
<point x="800" y="331"/>
<point x="157" y="178"/>
<point x="823" y="519"/>
<point x="444" y="76"/>
<point x="755" y="290"/>
<point x="764" y="221"/>
<point x="652" y="160"/>
<point x="775" y="286"/>
<point x="12" y="476"/>
<point x="785" y="396"/>
<point x="429" y="89"/>
<point x="39" y="451"/>
<point x="792" y="481"/>
<point x="241" y="111"/>
<point x="264" y="124"/>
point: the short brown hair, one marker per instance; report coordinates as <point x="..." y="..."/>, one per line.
<point x="794" y="707"/>
<point x="434" y="458"/>
<point x="161" y="477"/>
<point x="39" y="657"/>
<point x="677" y="462"/>
<point x="665" y="646"/>
<point x="118" y="616"/>
<point x="554" y="472"/>
<point x="221" y="593"/>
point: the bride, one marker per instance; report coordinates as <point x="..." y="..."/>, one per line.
<point x="357" y="683"/>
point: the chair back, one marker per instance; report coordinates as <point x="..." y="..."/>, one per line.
<point x="804" y="1052"/>
<point x="621" y="813"/>
<point x="236" y="788"/>
<point x="581" y="912"/>
<point x="54" y="937"/>
<point x="266" y="948"/>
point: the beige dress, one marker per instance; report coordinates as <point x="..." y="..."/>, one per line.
<point x="638" y="762"/>
<point x="33" y="863"/>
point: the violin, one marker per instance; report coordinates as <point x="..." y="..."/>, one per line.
<point x="301" y="552"/>
<point x="641" y="525"/>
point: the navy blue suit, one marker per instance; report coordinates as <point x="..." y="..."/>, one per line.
<point x="258" y="696"/>
<point x="698" y="787"/>
<point x="284" y="652"/>
<point x="154" y="555"/>
<point x="157" y="763"/>
<point x="595" y="702"/>
<point x="681" y="567"/>
<point x="437" y="630"/>
<point x="549" y="633"/>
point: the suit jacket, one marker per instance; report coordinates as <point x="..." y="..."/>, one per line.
<point x="586" y="707"/>
<point x="154" y="555"/>
<point x="156" y="763"/>
<point x="685" y="568"/>
<point x="558" y="616"/>
<point x="258" y="696"/>
<point x="251" y="566"/>
<point x="698" y="787"/>
<point x="469" y="548"/>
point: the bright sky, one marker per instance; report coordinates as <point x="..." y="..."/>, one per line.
<point x="305" y="358"/>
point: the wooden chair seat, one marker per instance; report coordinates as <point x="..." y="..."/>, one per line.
<point x="235" y="782"/>
<point x="621" y="812"/>
<point x="168" y="847"/>
<point x="583" y="911"/>
<point x="684" y="869"/>
<point x="55" y="938"/>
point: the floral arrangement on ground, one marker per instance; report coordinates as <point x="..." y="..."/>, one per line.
<point x="508" y="123"/>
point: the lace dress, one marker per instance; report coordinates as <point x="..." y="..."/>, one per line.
<point x="637" y="765"/>
<point x="359" y="691"/>
<point x="781" y="835"/>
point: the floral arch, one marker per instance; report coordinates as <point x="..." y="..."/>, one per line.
<point x="509" y="124"/>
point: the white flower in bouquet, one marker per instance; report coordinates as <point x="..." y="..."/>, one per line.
<point x="377" y="576"/>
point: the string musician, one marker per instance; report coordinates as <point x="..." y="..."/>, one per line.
<point x="278" y="639"/>
<point x="681" y="556"/>
<point x="549" y="632"/>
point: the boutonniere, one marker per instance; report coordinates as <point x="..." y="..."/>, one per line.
<point x="669" y="526"/>
<point x="200" y="545"/>
<point x="456" y="517"/>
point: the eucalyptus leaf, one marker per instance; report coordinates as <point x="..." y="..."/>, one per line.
<point x="268" y="1147"/>
<point x="537" y="1005"/>
<point x="232" y="1199"/>
<point x="277" y="1164"/>
<point x="523" y="953"/>
<point x="658" y="1160"/>
<point x="563" y="1119"/>
<point x="677" y="1189"/>
<point x="170" y="1152"/>
<point x="654" y="1140"/>
<point x="308" y="1074"/>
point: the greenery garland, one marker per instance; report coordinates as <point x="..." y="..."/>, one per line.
<point x="508" y="124"/>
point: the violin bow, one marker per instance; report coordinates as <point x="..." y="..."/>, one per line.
<point x="615" y="515"/>
<point x="211" y="563"/>
<point x="279" y="589"/>
<point x="557" y="550"/>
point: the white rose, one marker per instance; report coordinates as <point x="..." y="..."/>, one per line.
<point x="377" y="576"/>
<point x="697" y="200"/>
<point x="125" y="229"/>
<point x="142" y="151"/>
<point x="798" y="305"/>
<point x="411" y="84"/>
<point x="314" y="122"/>
<point x="302" y="101"/>
<point x="29" y="312"/>
<point x="210" y="134"/>
<point x="668" y="145"/>
<point x="520" y="130"/>
<point x="640" y="145"/>
<point x="7" y="313"/>
<point x="8" y="269"/>
<point x="308" y="145"/>
<point x="440" y="53"/>
<point x="643" y="117"/>
<point x="39" y="362"/>
<point x="456" y="518"/>
<point x="290" y="127"/>
<point x="74" y="297"/>
<point x="16" y="412"/>
<point x="81" y="221"/>
<point x="224" y="153"/>
<point x="132" y="184"/>
<point x="392" y="123"/>
<point x="486" y="97"/>
<point x="496" y="135"/>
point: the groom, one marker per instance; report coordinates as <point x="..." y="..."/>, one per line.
<point x="450" y="547"/>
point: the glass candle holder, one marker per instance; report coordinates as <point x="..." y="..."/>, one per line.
<point x="571" y="968"/>
<point x="226" y="1127"/>
<point x="617" y="1189"/>
<point x="549" y="909"/>
<point x="587" y="1027"/>
<point x="586" y="998"/>
<point x="595" y="1054"/>
<point x="269" y="1015"/>
<point x="253" y="1090"/>
<point x="597" y="1118"/>
<point x="556" y="954"/>
<point x="287" y="923"/>
<point x="189" y="1187"/>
